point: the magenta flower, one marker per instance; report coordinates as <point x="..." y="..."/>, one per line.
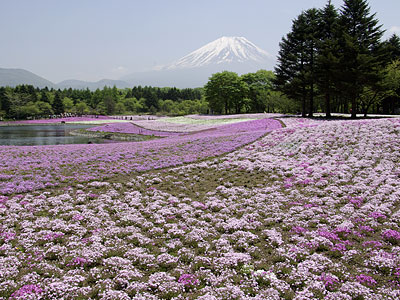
<point x="366" y="280"/>
<point x="188" y="280"/>
<point x="329" y="281"/>
<point x="377" y="215"/>
<point x="3" y="199"/>
<point x="392" y="236"/>
<point x="366" y="228"/>
<point x="53" y="236"/>
<point x="329" y="235"/>
<point x="77" y="262"/>
<point x="356" y="201"/>
<point x="7" y="236"/>
<point x="78" y="217"/>
<point x="26" y="290"/>
<point x="299" y="229"/>
<point x="339" y="247"/>
<point x="374" y="244"/>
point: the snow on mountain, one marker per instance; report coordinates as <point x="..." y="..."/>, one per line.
<point x="221" y="51"/>
<point x="235" y="54"/>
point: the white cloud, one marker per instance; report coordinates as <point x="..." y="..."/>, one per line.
<point x="119" y="70"/>
<point x="394" y="29"/>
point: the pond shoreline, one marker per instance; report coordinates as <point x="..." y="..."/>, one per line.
<point x="112" y="135"/>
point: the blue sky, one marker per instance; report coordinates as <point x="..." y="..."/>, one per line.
<point x="95" y="39"/>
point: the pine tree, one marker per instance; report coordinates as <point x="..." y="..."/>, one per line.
<point x="151" y="98"/>
<point x="359" y="60"/>
<point x="44" y="97"/>
<point x="295" y="73"/>
<point x="58" y="106"/>
<point x="311" y="42"/>
<point x="392" y="48"/>
<point x="327" y="60"/>
<point x="4" y="103"/>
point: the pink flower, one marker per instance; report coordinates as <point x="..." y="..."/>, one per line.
<point x="392" y="236"/>
<point x="377" y="215"/>
<point x="330" y="282"/>
<point x="366" y="280"/>
<point x="299" y="229"/>
<point x="26" y="290"/>
<point x="78" y="261"/>
<point x="78" y="217"/>
<point x="188" y="280"/>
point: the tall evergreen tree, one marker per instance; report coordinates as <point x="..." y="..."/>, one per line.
<point x="392" y="47"/>
<point x="311" y="36"/>
<point x="4" y="103"/>
<point x="295" y="73"/>
<point x="44" y="97"/>
<point x="359" y="59"/>
<point x="58" y="106"/>
<point x="151" y="98"/>
<point x="327" y="59"/>
<point x="31" y="91"/>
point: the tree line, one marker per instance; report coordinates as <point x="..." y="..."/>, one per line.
<point x="332" y="60"/>
<point x="227" y="93"/>
<point x="335" y="61"/>
<point x="26" y="101"/>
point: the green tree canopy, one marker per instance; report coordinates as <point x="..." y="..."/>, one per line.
<point x="259" y="84"/>
<point x="225" y="91"/>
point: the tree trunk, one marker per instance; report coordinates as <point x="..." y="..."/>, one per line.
<point x="303" y="103"/>
<point x="312" y="84"/>
<point x="365" y="110"/>
<point x="328" y="105"/>
<point x="354" y="107"/>
<point x="303" y="108"/>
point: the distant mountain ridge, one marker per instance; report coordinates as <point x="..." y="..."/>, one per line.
<point x="14" y="77"/>
<point x="79" y="84"/>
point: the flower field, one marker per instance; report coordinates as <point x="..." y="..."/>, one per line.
<point x="194" y="123"/>
<point x="28" y="168"/>
<point x="309" y="211"/>
<point x="130" y="128"/>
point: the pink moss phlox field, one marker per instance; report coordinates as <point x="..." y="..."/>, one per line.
<point x="302" y="213"/>
<point x="194" y="123"/>
<point x="244" y="116"/>
<point x="26" y="291"/>
<point x="30" y="168"/>
<point x="131" y="128"/>
<point x="161" y="125"/>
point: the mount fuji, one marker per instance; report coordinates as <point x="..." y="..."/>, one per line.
<point x="221" y="51"/>
<point x="235" y="54"/>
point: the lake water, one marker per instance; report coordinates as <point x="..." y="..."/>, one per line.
<point x="52" y="134"/>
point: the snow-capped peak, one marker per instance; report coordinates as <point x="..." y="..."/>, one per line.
<point x="222" y="50"/>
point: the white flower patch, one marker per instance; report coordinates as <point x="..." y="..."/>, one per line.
<point x="98" y="184"/>
<point x="274" y="236"/>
